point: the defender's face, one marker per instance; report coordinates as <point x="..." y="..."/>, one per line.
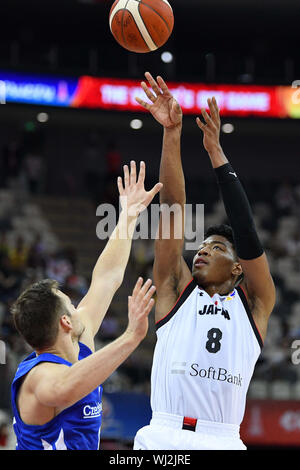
<point x="77" y="325"/>
<point x="214" y="261"/>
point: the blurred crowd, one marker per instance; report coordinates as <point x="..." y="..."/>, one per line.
<point x="29" y="251"/>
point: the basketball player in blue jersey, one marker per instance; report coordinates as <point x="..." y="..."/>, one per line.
<point x="211" y="321"/>
<point x="56" y="392"/>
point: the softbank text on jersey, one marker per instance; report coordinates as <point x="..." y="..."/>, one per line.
<point x="221" y="374"/>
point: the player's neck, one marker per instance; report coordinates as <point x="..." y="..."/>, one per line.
<point x="65" y="347"/>
<point x="221" y="289"/>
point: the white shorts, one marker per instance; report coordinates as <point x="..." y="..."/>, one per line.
<point x="165" y="433"/>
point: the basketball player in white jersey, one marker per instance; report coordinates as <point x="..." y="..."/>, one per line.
<point x="211" y="322"/>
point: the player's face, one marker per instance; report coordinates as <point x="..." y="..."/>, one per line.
<point x="77" y="325"/>
<point x="214" y="262"/>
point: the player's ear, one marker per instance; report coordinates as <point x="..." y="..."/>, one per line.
<point x="65" y="322"/>
<point x="237" y="269"/>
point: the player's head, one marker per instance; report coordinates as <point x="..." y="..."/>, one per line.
<point x="216" y="262"/>
<point x="42" y="311"/>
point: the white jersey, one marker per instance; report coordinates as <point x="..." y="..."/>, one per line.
<point x="205" y="355"/>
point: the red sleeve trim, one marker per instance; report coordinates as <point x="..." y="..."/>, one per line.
<point x="175" y="302"/>
<point x="246" y="296"/>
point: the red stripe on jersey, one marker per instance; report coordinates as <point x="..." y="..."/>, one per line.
<point x="252" y="315"/>
<point x="176" y="302"/>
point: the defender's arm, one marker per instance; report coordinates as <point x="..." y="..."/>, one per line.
<point x="110" y="268"/>
<point x="59" y="386"/>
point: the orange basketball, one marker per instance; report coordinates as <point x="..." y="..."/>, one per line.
<point x="141" y="25"/>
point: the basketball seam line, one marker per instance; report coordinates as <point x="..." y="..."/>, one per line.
<point x="151" y="8"/>
<point x="150" y="50"/>
<point x="124" y="9"/>
<point x="146" y="27"/>
<point x="140" y="31"/>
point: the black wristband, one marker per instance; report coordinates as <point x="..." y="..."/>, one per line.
<point x="239" y="213"/>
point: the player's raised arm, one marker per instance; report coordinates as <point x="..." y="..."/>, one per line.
<point x="257" y="281"/>
<point x="109" y="270"/>
<point x="171" y="273"/>
<point x="58" y="386"/>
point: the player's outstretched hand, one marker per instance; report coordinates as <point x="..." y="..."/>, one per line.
<point x="140" y="304"/>
<point x="211" y="126"/>
<point x="164" y="108"/>
<point x="133" y="196"/>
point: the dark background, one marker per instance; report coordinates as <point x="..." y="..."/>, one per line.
<point x="212" y="41"/>
<point x="255" y="38"/>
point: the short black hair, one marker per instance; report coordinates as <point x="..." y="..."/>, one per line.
<point x="36" y="313"/>
<point x="222" y="230"/>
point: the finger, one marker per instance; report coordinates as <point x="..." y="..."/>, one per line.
<point x="143" y="103"/>
<point x="176" y="107"/>
<point x="217" y="110"/>
<point x="126" y="176"/>
<point x="143" y="290"/>
<point x="149" y="295"/>
<point x="216" y="105"/>
<point x="137" y="287"/>
<point x="200" y="124"/>
<point x="176" y="113"/>
<point x="162" y="84"/>
<point x="153" y="83"/>
<point x="120" y="186"/>
<point x="142" y="174"/>
<point x="148" y="92"/>
<point x="212" y="109"/>
<point x="155" y="190"/>
<point x="132" y="172"/>
<point x="146" y="287"/>
<point x="149" y="307"/>
<point x="145" y="301"/>
<point x="206" y="117"/>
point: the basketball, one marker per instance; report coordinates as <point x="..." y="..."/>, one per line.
<point x="141" y="25"/>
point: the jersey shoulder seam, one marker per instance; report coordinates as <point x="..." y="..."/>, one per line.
<point x="181" y="299"/>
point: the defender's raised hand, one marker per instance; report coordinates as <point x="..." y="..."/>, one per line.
<point x="211" y="127"/>
<point x="164" y="108"/>
<point x="140" y="304"/>
<point x="134" y="197"/>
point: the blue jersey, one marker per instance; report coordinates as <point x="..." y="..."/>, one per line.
<point x="75" y="428"/>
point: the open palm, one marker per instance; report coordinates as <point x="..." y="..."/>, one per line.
<point x="164" y="107"/>
<point x="133" y="195"/>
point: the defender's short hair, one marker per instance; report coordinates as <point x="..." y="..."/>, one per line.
<point x="36" y="314"/>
